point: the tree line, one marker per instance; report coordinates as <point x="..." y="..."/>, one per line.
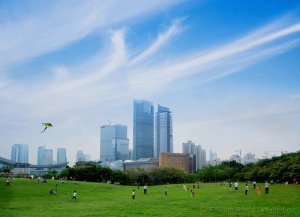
<point x="278" y="169"/>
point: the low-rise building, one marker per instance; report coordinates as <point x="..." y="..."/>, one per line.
<point x="184" y="162"/>
<point x="144" y="163"/>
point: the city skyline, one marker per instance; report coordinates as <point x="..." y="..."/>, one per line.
<point x="228" y="71"/>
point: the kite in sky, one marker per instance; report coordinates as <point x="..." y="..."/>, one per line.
<point x="46" y="125"/>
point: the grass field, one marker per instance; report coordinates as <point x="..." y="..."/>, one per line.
<point x="29" y="198"/>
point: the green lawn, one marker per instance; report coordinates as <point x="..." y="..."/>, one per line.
<point x="29" y="198"/>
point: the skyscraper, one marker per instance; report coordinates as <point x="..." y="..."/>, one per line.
<point x="143" y="129"/>
<point x="188" y="148"/>
<point x="163" y="131"/>
<point x="79" y="156"/>
<point x="61" y="155"/>
<point x="19" y="153"/>
<point x="48" y="156"/>
<point x="200" y="157"/>
<point x="113" y="143"/>
<point x="198" y="153"/>
<point x="41" y="155"/>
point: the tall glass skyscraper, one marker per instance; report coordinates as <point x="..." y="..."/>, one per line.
<point x="79" y="156"/>
<point x="163" y="131"/>
<point x="41" y="155"/>
<point x="198" y="152"/>
<point x="61" y="155"/>
<point x="19" y="153"/>
<point x="113" y="143"/>
<point x="143" y="129"/>
<point x="48" y="156"/>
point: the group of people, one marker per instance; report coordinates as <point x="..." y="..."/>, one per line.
<point x="257" y="188"/>
<point x="145" y="191"/>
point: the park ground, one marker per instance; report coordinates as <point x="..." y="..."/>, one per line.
<point x="28" y="198"/>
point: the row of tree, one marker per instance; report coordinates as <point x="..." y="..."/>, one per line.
<point x="278" y="169"/>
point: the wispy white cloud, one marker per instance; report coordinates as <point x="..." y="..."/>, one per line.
<point x="56" y="25"/>
<point x="161" y="40"/>
<point x="247" y="50"/>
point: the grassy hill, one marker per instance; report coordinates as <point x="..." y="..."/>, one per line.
<point x="29" y="198"/>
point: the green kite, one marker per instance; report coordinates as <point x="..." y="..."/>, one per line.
<point x="46" y="125"/>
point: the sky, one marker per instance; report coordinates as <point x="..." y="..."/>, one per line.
<point x="229" y="71"/>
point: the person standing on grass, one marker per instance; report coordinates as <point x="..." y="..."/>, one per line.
<point x="258" y="189"/>
<point x="74" y="196"/>
<point x="133" y="194"/>
<point x="7" y="182"/>
<point x="193" y="194"/>
<point x="267" y="185"/>
<point x="230" y="186"/>
<point x="145" y="189"/>
<point x="246" y="189"/>
<point x="236" y="186"/>
<point x="254" y="184"/>
<point x="166" y="191"/>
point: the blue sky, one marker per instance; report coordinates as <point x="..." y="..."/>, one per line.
<point x="228" y="70"/>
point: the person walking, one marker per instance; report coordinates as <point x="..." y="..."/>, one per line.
<point x="74" y="197"/>
<point x="267" y="185"/>
<point x="254" y="184"/>
<point x="246" y="189"/>
<point x="166" y="191"/>
<point x="133" y="194"/>
<point x="236" y="186"/>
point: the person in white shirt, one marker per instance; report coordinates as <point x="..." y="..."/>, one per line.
<point x="145" y="189"/>
<point x="74" y="195"/>
<point x="266" y="187"/>
<point x="133" y="194"/>
<point x="236" y="186"/>
<point x="246" y="189"/>
<point x="254" y="184"/>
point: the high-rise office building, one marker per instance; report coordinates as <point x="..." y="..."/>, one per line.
<point x="143" y="129"/>
<point x="200" y="157"/>
<point x="87" y="157"/>
<point x="197" y="151"/>
<point x="19" y="153"/>
<point x="188" y="148"/>
<point x="41" y="155"/>
<point x="163" y="131"/>
<point x="48" y="156"/>
<point x="113" y="143"/>
<point x="80" y="156"/>
<point x="213" y="158"/>
<point x="249" y="158"/>
<point x="61" y="155"/>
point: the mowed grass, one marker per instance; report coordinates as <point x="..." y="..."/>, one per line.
<point x="30" y="198"/>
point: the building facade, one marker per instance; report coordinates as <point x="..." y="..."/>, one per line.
<point x="19" y="153"/>
<point x="41" y="155"/>
<point x="163" y="131"/>
<point x="61" y="155"/>
<point x="48" y="156"/>
<point x="80" y="156"/>
<point x="143" y="129"/>
<point x="249" y="158"/>
<point x="113" y="143"/>
<point x="200" y="157"/>
<point x="144" y="163"/>
<point x="199" y="154"/>
<point x="176" y="160"/>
